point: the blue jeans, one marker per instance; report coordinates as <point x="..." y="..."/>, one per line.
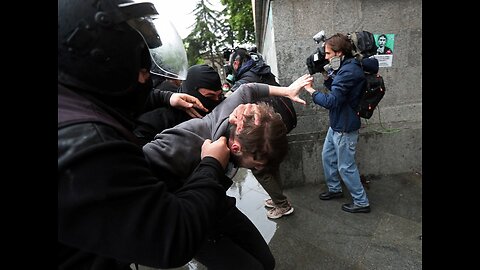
<point x="338" y="157"/>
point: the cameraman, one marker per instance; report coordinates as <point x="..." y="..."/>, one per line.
<point x="345" y="81"/>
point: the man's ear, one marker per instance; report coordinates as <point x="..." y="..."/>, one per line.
<point x="236" y="148"/>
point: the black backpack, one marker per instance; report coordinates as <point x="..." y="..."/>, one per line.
<point x="372" y="94"/>
<point x="364" y="46"/>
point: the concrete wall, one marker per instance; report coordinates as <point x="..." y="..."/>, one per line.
<point x="391" y="141"/>
<point x="270" y="52"/>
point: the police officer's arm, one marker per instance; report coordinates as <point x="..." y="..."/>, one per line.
<point x="133" y="215"/>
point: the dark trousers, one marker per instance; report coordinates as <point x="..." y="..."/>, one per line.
<point x="237" y="244"/>
<point x="269" y="178"/>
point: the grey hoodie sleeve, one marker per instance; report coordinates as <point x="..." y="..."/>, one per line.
<point x="177" y="150"/>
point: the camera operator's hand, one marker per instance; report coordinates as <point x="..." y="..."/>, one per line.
<point x="309" y="87"/>
<point x="217" y="149"/>
<point x="325" y="75"/>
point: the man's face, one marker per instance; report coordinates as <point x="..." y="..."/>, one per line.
<point x="236" y="64"/>
<point x="329" y="53"/>
<point x="246" y="161"/>
<point x="211" y="94"/>
<point x="237" y="117"/>
<point x="382" y="41"/>
<point x="143" y="75"/>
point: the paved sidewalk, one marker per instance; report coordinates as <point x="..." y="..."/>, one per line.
<point x="319" y="235"/>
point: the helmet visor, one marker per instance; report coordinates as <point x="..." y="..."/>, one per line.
<point x="139" y="16"/>
<point x="146" y="28"/>
<point x="169" y="58"/>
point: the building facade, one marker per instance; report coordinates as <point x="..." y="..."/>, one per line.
<point x="391" y="141"/>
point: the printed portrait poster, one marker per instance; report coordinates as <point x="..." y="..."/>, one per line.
<point x="385" y="50"/>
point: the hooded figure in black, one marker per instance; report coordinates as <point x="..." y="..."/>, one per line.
<point x="249" y="67"/>
<point x="201" y="78"/>
<point x="202" y="82"/>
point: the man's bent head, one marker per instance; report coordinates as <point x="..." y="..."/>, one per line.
<point x="262" y="141"/>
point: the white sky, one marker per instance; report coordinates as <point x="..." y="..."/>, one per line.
<point x="179" y="12"/>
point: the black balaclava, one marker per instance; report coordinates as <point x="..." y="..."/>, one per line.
<point x="132" y="101"/>
<point x="202" y="76"/>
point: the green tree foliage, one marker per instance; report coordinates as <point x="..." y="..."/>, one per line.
<point x="204" y="42"/>
<point x="215" y="30"/>
<point x="194" y="46"/>
<point x="240" y="19"/>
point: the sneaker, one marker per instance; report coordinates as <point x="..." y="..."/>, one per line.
<point x="278" y="212"/>
<point x="269" y="203"/>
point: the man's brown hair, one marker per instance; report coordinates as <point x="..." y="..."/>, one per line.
<point x="340" y="43"/>
<point x="266" y="141"/>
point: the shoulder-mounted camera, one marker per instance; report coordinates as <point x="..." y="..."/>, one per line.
<point x="316" y="61"/>
<point x="363" y="46"/>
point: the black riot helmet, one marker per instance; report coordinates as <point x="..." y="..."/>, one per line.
<point x="102" y="44"/>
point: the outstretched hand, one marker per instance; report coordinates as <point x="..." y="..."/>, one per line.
<point x="188" y="104"/>
<point x="295" y="88"/>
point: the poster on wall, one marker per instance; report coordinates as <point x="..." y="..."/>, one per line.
<point x="385" y="44"/>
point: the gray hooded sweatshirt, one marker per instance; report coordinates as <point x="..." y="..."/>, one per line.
<point x="176" y="151"/>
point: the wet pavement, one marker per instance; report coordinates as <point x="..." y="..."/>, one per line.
<point x="319" y="235"/>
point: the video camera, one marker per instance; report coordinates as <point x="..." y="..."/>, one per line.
<point x="316" y="61"/>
